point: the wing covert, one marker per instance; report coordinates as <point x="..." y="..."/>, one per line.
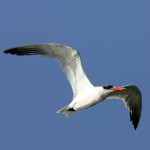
<point x="132" y="98"/>
<point x="68" y="58"/>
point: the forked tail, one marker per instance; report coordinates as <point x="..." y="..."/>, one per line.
<point x="67" y="111"/>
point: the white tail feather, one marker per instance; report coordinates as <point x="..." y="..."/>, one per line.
<point x="66" y="111"/>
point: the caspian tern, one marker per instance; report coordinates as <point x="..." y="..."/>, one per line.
<point x="85" y="94"/>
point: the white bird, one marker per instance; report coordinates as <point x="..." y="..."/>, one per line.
<point x="85" y="94"/>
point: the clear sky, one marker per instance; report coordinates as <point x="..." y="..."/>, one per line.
<point x="113" y="38"/>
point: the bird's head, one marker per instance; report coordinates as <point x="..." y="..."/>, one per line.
<point x="113" y="88"/>
<point x="108" y="89"/>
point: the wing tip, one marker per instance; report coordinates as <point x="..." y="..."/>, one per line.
<point x="135" y="126"/>
<point x="26" y="50"/>
<point x="135" y="118"/>
<point x="14" y="51"/>
<point x="6" y="51"/>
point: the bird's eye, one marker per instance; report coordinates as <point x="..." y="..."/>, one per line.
<point x="107" y="87"/>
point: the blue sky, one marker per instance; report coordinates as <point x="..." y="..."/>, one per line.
<point x="113" y="38"/>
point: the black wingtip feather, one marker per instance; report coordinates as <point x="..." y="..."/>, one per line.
<point x="26" y="50"/>
<point x="134" y="118"/>
<point x="6" y="51"/>
<point x="18" y="51"/>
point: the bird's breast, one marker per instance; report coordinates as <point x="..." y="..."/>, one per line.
<point x="86" y="99"/>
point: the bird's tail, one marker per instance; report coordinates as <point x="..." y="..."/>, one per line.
<point x="67" y="111"/>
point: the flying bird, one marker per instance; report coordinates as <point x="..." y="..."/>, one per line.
<point x="85" y="95"/>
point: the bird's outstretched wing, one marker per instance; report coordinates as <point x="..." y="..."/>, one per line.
<point x="132" y="98"/>
<point x="68" y="58"/>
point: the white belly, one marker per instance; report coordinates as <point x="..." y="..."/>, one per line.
<point x="86" y="99"/>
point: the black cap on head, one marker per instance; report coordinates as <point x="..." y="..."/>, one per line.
<point x="108" y="87"/>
